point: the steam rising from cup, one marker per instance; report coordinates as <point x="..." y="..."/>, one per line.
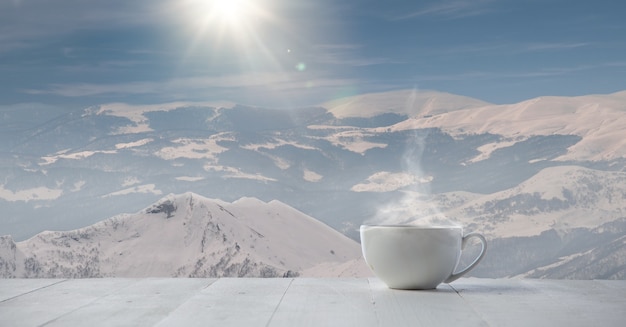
<point x="415" y="206"/>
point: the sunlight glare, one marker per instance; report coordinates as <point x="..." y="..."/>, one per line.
<point x="231" y="11"/>
<point x="237" y="19"/>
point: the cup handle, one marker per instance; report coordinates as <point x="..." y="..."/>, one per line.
<point x="471" y="266"/>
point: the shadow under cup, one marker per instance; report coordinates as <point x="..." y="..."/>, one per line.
<point x="416" y="257"/>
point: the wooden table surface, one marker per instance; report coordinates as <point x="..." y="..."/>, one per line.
<point x="308" y="302"/>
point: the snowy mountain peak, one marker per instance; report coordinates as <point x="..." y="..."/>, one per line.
<point x="192" y="236"/>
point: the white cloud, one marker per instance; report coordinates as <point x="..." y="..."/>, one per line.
<point x="555" y="46"/>
<point x="281" y="89"/>
<point x="450" y="9"/>
<point x="277" y="81"/>
<point x="493" y="75"/>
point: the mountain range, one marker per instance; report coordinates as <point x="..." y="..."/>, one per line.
<point x="543" y="179"/>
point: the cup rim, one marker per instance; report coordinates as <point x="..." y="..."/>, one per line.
<point x="411" y="226"/>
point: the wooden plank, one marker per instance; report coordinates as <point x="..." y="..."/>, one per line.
<point x="502" y="302"/>
<point x="617" y="286"/>
<point x="439" y="307"/>
<point x="144" y="303"/>
<point x="314" y="302"/>
<point x="10" y="288"/>
<point x="543" y="302"/>
<point x="46" y="304"/>
<point x="588" y="302"/>
<point x="326" y="302"/>
<point x="231" y="302"/>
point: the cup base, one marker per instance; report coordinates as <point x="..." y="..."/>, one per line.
<point x="413" y="288"/>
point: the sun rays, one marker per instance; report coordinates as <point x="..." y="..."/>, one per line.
<point x="236" y="31"/>
<point x="245" y="39"/>
<point x="227" y="21"/>
<point x="232" y="12"/>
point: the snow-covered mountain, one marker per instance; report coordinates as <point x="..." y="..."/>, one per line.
<point x="525" y="173"/>
<point x="188" y="235"/>
<point x="564" y="222"/>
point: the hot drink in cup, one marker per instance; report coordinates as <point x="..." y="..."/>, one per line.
<point x="416" y="257"/>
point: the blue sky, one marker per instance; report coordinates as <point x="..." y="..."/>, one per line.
<point x="289" y="53"/>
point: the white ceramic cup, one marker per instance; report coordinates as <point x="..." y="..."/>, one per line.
<point x="416" y="257"/>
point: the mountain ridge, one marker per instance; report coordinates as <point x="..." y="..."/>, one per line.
<point x="184" y="235"/>
<point x="598" y="119"/>
<point x="409" y="102"/>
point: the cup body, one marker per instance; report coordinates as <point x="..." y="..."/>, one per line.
<point x="411" y="257"/>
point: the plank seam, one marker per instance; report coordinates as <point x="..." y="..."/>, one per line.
<point x="269" y="321"/>
<point x="470" y="306"/>
<point x="31" y="291"/>
<point x="373" y="301"/>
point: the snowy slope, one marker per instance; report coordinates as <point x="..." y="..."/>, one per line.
<point x="557" y="198"/>
<point x="185" y="235"/>
<point x="598" y="119"/>
<point x="413" y="103"/>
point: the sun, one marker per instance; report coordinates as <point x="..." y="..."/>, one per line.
<point x="233" y="12"/>
<point x="228" y="21"/>
<point x="235" y="19"/>
<point x="242" y="31"/>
